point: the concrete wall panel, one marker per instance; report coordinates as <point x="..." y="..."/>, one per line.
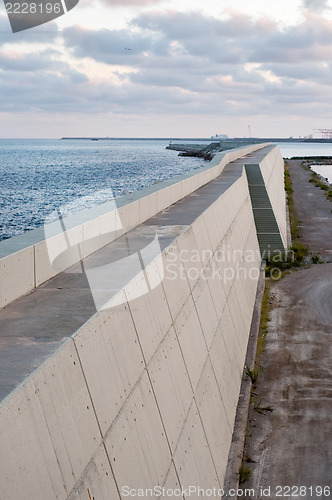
<point x="227" y="373"/>
<point x="212" y="227"/>
<point x="151" y="327"/>
<point x="207" y="315"/>
<point x="229" y="199"/>
<point x="221" y="222"/>
<point x="16" y="275"/>
<point x="111" y="359"/>
<point x="176" y="192"/>
<point x="175" y="281"/>
<point x="172" y="482"/>
<point x="171" y="385"/>
<point x="202" y="240"/>
<point x="190" y="256"/>
<point x="63" y="396"/>
<point x="97" y="482"/>
<point x="164" y="198"/>
<point x="236" y="309"/>
<point x="217" y="429"/>
<point x="129" y="214"/>
<point x="136" y="442"/>
<point x="193" y="461"/>
<point x="191" y="340"/>
<point x="194" y="183"/>
<point x="216" y="286"/>
<point x="232" y="340"/>
<point x="26" y="446"/>
<point x="147" y="207"/>
<point x="225" y="261"/>
<point x="101" y="231"/>
<point x="186" y="186"/>
<point x="57" y="253"/>
<point x="48" y="430"/>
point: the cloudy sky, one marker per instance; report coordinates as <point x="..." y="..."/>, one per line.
<point x="193" y="69"/>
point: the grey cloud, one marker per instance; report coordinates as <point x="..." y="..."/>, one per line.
<point x="199" y="60"/>
<point x="182" y="62"/>
<point x="45" y="83"/>
<point x="42" y="34"/>
<point x="112" y="47"/>
<point x="316" y="5"/>
<point x="316" y="72"/>
<point x="232" y="41"/>
<point x="29" y="62"/>
<point x="188" y="25"/>
<point x="48" y="93"/>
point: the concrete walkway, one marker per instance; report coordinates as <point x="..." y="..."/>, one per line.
<point x="292" y="446"/>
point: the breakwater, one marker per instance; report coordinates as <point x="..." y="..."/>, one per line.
<point x="143" y="393"/>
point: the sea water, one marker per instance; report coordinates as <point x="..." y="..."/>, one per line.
<point x="39" y="176"/>
<point x="323" y="170"/>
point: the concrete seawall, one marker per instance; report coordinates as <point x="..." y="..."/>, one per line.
<point x="144" y="393"/>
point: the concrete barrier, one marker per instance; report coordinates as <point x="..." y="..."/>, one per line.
<point x="144" y="394"/>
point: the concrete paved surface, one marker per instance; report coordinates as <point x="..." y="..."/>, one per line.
<point x="292" y="446"/>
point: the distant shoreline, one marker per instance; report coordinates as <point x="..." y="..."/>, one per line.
<point x="233" y="139"/>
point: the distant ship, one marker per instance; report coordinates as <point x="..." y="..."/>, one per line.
<point x="95" y="139"/>
<point x="219" y="136"/>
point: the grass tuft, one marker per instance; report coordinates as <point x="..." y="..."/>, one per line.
<point x="265" y="318"/>
<point x="298" y="252"/>
<point x="315" y="259"/>
<point x="294" y="220"/>
<point x="252" y="374"/>
<point x="244" y="473"/>
<point x="262" y="409"/>
<point x="317" y="181"/>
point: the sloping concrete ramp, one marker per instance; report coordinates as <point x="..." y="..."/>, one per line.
<point x="123" y="368"/>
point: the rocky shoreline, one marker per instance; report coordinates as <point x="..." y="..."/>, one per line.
<point x="209" y="151"/>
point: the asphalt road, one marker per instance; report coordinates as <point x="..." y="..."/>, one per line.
<point x="292" y="445"/>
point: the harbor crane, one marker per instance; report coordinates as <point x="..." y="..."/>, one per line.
<point x="325" y="132"/>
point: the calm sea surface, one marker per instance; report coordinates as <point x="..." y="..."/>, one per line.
<point x="38" y="176"/>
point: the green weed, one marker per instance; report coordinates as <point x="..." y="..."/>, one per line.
<point x="244" y="473"/>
